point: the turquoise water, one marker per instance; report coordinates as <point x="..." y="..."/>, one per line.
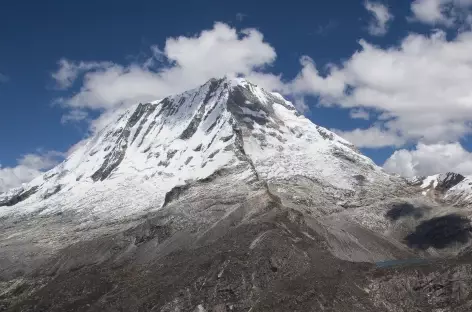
<point x="390" y="263"/>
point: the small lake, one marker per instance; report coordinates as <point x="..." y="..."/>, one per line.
<point x="391" y="263"/>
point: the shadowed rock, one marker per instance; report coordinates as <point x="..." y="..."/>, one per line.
<point x="19" y="198"/>
<point x="448" y="180"/>
<point x="193" y="125"/>
<point x="401" y="210"/>
<point x="114" y="158"/>
<point x="440" y="232"/>
<point x="52" y="192"/>
<point x="149" y="109"/>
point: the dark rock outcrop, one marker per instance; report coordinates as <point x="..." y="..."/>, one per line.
<point x="11" y="201"/>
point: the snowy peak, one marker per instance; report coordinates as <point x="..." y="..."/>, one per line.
<point x="440" y="182"/>
<point x="451" y="188"/>
<point x="449" y="180"/>
<point x="152" y="148"/>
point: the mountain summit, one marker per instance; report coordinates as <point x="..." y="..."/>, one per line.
<point x="150" y="149"/>
<point x="225" y="198"/>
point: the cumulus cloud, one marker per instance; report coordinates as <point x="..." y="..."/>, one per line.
<point x="381" y="17"/>
<point x="184" y="63"/>
<point x="373" y="137"/>
<point x="41" y="161"/>
<point x="442" y="12"/>
<point x="429" y="159"/>
<point x="429" y="11"/>
<point x="28" y="167"/>
<point x="420" y="87"/>
<point x="310" y="81"/>
<point x="15" y="176"/>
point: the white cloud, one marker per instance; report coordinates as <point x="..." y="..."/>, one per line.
<point x="76" y="147"/>
<point x="430" y="159"/>
<point x="359" y="114"/>
<point x="301" y="105"/>
<point x="309" y="81"/>
<point x="421" y="88"/>
<point x="442" y="12"/>
<point x="28" y="167"/>
<point x="41" y="161"/>
<point x="184" y="63"/>
<point x="68" y="72"/>
<point x="381" y="17"/>
<point x="106" y="118"/>
<point x="373" y="137"/>
<point x="267" y="80"/>
<point x="14" y="177"/>
<point x="429" y="11"/>
<point x="74" y="116"/>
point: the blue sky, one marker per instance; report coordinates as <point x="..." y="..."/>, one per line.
<point x="342" y="59"/>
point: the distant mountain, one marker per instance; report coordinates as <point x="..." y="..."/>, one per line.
<point x="450" y="188"/>
<point x="225" y="198"/>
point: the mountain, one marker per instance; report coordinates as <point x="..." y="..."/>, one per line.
<point x="450" y="188"/>
<point x="155" y="147"/>
<point x="225" y="198"/>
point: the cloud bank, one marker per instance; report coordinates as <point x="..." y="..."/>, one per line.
<point x="420" y="89"/>
<point x="431" y="159"/>
<point x="29" y="167"/>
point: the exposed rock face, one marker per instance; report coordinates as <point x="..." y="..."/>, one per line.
<point x="19" y="197"/>
<point x="224" y="198"/>
<point x="449" y="180"/>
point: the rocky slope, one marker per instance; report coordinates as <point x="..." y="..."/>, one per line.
<point x="225" y="198"/>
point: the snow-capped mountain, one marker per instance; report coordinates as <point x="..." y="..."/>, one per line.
<point x="452" y="188"/>
<point x="130" y="165"/>
<point x="225" y="198"/>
